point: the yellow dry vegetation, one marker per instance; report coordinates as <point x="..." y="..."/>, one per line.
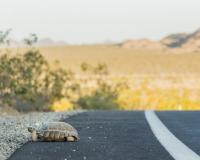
<point x="62" y="105"/>
<point x="166" y="92"/>
<point x="158" y="99"/>
<point x="122" y="60"/>
<point x="157" y="80"/>
<point x="161" y="93"/>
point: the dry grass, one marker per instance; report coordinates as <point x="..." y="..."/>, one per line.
<point x="159" y="92"/>
<point x="157" y="79"/>
<point x="124" y="61"/>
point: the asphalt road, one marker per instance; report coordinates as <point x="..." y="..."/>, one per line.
<point x="185" y="126"/>
<point x="113" y="135"/>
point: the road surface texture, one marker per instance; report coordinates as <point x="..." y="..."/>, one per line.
<point x="185" y="126"/>
<point x="113" y="135"/>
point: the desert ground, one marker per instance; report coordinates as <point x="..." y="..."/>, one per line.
<point x="123" y="61"/>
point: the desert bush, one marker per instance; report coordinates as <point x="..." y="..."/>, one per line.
<point x="98" y="100"/>
<point x="32" y="39"/>
<point x="28" y="83"/>
<point x="4" y="36"/>
<point x="104" y="96"/>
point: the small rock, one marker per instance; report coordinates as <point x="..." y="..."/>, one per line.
<point x="2" y="157"/>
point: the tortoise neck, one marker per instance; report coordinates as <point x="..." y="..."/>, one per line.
<point x="34" y="135"/>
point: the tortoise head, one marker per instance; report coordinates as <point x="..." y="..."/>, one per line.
<point x="31" y="129"/>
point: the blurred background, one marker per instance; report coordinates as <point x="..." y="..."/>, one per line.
<point x="117" y="54"/>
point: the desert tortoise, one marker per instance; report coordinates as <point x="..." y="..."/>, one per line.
<point x="55" y="131"/>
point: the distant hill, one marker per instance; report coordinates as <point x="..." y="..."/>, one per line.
<point x="142" y="43"/>
<point x="50" y="42"/>
<point x="174" y="40"/>
<point x="45" y="42"/>
<point x="179" y="41"/>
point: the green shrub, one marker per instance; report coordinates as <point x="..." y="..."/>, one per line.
<point x="28" y="83"/>
<point x="98" y="100"/>
<point x="104" y="96"/>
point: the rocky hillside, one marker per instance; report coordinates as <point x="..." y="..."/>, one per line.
<point x="174" y="40"/>
<point x="179" y="41"/>
<point x="143" y="43"/>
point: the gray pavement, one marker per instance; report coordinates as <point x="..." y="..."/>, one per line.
<point x="113" y="135"/>
<point x="185" y="126"/>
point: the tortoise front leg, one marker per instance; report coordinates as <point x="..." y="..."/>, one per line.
<point x="70" y="139"/>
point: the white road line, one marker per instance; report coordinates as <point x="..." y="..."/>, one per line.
<point x="177" y="149"/>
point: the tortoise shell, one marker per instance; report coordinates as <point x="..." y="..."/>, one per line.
<point x="55" y="131"/>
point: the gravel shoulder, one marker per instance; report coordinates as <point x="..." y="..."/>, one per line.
<point x="13" y="129"/>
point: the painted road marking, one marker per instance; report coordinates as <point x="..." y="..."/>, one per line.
<point x="177" y="149"/>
